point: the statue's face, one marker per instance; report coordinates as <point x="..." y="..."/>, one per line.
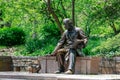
<point x="67" y="24"/>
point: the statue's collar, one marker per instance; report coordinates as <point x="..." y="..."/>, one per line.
<point x="71" y="30"/>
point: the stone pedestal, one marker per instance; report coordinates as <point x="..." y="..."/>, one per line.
<point x="84" y="65"/>
<point x="48" y="64"/>
<point x="87" y="65"/>
<point x="6" y="63"/>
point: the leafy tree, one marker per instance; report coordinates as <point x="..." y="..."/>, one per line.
<point x="42" y="20"/>
<point x="106" y="13"/>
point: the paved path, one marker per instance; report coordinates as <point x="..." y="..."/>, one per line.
<point x="40" y="76"/>
<point x="10" y="79"/>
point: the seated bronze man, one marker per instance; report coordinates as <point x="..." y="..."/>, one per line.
<point x="72" y="40"/>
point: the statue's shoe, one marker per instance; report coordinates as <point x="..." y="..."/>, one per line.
<point x="69" y="72"/>
<point x="58" y="72"/>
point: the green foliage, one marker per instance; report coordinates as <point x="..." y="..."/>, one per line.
<point x="12" y="36"/>
<point x="40" y="47"/>
<point x="32" y="45"/>
<point x="109" y="46"/>
<point x="93" y="41"/>
<point x="50" y="31"/>
<point x="94" y="16"/>
<point x="47" y="49"/>
<point x="44" y="43"/>
<point x="105" y="14"/>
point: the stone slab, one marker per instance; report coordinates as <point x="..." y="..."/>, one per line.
<point x="84" y="65"/>
<point x="46" y="76"/>
<point x="10" y="79"/>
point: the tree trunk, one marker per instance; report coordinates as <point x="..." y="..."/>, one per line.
<point x="55" y="17"/>
<point x="65" y="14"/>
<point x="73" y="12"/>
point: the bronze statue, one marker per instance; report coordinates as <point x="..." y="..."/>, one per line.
<point x="72" y="40"/>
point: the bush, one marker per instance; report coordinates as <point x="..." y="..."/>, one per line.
<point x="50" y="31"/>
<point x="33" y="45"/>
<point x="40" y="46"/>
<point x="110" y="46"/>
<point x="12" y="36"/>
<point x="44" y="41"/>
<point x="93" y="41"/>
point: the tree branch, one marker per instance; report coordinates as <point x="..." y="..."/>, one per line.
<point x="54" y="16"/>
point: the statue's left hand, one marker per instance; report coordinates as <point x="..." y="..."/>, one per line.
<point x="76" y="42"/>
<point x="85" y="41"/>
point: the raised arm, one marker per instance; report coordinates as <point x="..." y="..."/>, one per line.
<point x="60" y="44"/>
<point x="82" y="36"/>
<point x="80" y="40"/>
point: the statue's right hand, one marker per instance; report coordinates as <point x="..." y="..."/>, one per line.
<point x="48" y="55"/>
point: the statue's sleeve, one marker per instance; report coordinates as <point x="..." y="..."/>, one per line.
<point x="81" y="34"/>
<point x="83" y="38"/>
<point x="62" y="40"/>
<point x="60" y="43"/>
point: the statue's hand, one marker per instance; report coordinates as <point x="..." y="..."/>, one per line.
<point x="61" y="50"/>
<point x="85" y="41"/>
<point x="48" y="55"/>
<point x="76" y="42"/>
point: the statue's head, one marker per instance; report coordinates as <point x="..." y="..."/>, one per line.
<point x="68" y="24"/>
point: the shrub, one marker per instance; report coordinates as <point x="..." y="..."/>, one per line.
<point x="50" y="31"/>
<point x="93" y="41"/>
<point x="12" y="36"/>
<point x="47" y="36"/>
<point x="33" y="45"/>
<point x="110" y="46"/>
<point x="40" y="46"/>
